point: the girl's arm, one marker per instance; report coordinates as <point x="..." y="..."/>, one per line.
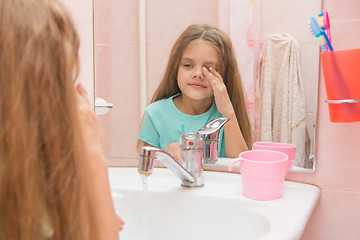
<point x="99" y="193"/>
<point x="234" y="140"/>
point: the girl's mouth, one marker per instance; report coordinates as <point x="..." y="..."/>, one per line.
<point x="195" y="85"/>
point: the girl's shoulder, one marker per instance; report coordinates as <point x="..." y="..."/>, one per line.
<point x="162" y="105"/>
<point x="158" y="104"/>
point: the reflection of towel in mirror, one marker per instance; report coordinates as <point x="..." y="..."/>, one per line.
<point x="280" y="98"/>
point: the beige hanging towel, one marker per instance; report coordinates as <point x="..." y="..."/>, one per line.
<point x="279" y="97"/>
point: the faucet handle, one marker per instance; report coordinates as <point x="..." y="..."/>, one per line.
<point x="191" y="141"/>
<point x="210" y="136"/>
<point x="210" y="131"/>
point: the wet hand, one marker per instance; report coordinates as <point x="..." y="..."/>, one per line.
<point x="221" y="95"/>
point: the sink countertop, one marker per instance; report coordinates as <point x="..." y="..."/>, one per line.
<point x="287" y="215"/>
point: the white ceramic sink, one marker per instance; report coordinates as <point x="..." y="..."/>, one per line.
<point x="217" y="211"/>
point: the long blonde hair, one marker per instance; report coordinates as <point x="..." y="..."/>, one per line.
<point x="227" y="68"/>
<point x="42" y="181"/>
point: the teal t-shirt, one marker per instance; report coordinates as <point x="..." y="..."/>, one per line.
<point x="163" y="124"/>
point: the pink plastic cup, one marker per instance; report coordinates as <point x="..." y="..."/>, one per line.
<point x="263" y="173"/>
<point x="287" y="148"/>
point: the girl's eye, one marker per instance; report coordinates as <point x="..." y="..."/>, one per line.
<point x="187" y="65"/>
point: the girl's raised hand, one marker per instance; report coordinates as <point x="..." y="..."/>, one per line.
<point x="221" y="95"/>
<point x="234" y="141"/>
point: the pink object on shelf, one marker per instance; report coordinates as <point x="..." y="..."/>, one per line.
<point x="287" y="148"/>
<point x="263" y="173"/>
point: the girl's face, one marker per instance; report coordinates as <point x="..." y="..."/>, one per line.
<point x="190" y="78"/>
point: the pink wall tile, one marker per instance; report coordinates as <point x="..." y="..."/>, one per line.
<point x="126" y="116"/>
<point x="338" y="147"/>
<point x="103" y="70"/>
<point x="116" y="81"/>
<point x="120" y="142"/>
<point x="103" y="73"/>
<point x="119" y="84"/>
<point x="157" y="56"/>
<point x="102" y="19"/>
<point x="223" y="15"/>
<point x="290" y="17"/>
<point x="349" y="9"/>
<point x="116" y="22"/>
<point x="335" y="217"/>
<point x="337" y="214"/>
<point x="167" y="19"/>
<point x="345" y="34"/>
<point x="82" y="11"/>
<point x="124" y="79"/>
<point x="309" y="63"/>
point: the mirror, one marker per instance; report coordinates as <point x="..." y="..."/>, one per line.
<point x="132" y="40"/>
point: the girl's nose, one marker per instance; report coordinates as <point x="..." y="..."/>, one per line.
<point x="198" y="73"/>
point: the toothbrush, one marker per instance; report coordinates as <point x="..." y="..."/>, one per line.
<point x="315" y="30"/>
<point x="324" y="23"/>
<point x="320" y="35"/>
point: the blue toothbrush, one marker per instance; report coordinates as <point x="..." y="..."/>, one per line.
<point x="320" y="35"/>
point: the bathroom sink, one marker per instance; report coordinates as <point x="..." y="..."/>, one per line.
<point x="159" y="208"/>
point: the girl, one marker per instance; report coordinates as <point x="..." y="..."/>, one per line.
<point x="53" y="175"/>
<point x="201" y="83"/>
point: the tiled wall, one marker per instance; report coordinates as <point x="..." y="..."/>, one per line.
<point x="117" y="73"/>
<point x="337" y="215"/>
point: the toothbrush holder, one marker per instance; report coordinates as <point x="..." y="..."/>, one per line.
<point x="342" y="82"/>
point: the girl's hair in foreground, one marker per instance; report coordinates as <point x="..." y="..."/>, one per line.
<point x="42" y="179"/>
<point x="227" y="68"/>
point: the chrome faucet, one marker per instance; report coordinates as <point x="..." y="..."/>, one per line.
<point x="190" y="169"/>
<point x="190" y="173"/>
